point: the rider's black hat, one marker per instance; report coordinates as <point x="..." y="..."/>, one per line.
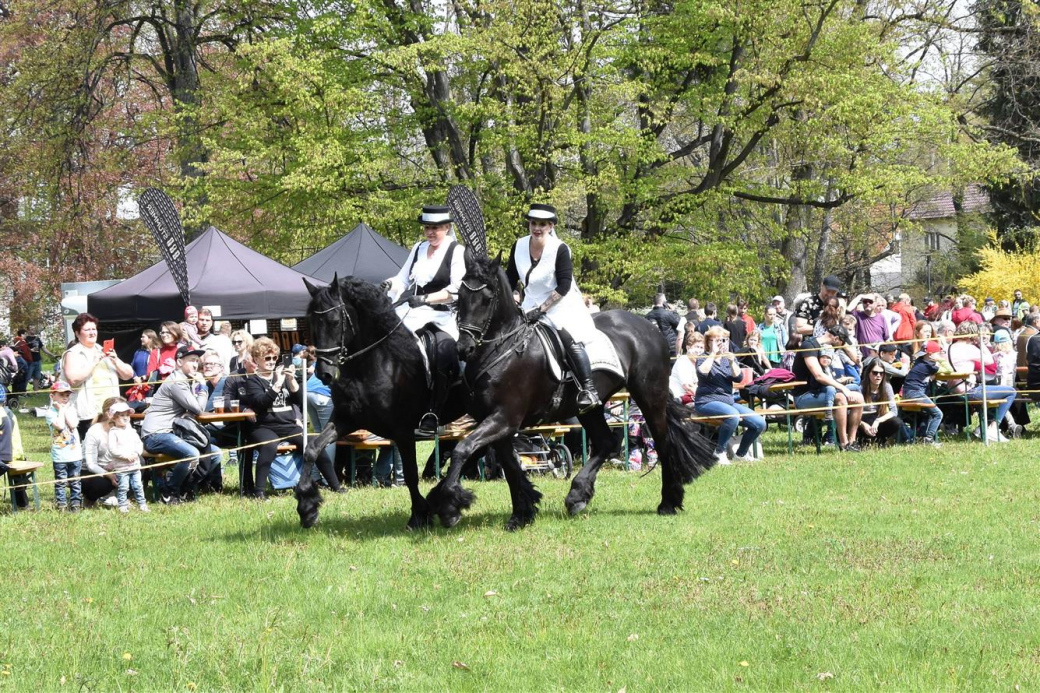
<point x="435" y="215"/>
<point x="542" y="213"/>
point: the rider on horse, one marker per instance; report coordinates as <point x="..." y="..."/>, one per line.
<point x="429" y="284"/>
<point x="543" y="263"/>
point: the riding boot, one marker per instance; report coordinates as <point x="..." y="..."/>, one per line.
<point x="429" y="421"/>
<point x="588" y="398"/>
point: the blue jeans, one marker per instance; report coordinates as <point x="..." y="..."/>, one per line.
<point x="993" y="393"/>
<point x="68" y="470"/>
<point x="753" y="424"/>
<point x="319" y="411"/>
<point x="171" y="445"/>
<point x="33" y="372"/>
<point x="389" y="459"/>
<point x="131" y="479"/>
<point x="935" y="415"/>
<point x="824" y="399"/>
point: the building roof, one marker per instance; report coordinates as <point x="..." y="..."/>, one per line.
<point x="941" y="205"/>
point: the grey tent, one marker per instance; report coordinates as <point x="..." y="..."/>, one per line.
<point x="221" y="272"/>
<point x="362" y="253"/>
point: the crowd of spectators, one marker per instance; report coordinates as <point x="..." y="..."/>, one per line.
<point x="856" y="358"/>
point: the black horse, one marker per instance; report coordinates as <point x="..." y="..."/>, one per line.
<point x="378" y="380"/>
<point x="510" y="388"/>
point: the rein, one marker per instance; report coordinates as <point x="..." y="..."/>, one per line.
<point x="344" y="358"/>
<point x="477" y="334"/>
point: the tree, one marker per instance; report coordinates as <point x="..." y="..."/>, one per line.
<point x="1010" y="36"/>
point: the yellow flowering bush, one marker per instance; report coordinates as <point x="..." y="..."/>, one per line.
<point x="1002" y="272"/>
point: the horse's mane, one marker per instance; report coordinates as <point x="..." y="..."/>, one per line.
<point x="374" y="309"/>
<point x="489" y="270"/>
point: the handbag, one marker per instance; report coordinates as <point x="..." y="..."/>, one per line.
<point x="191" y="432"/>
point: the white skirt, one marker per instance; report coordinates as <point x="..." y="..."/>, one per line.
<point x="419" y="317"/>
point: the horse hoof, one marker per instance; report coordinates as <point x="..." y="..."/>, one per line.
<point x="450" y="521"/>
<point x="516" y="523"/>
<point x="667" y="510"/>
<point x="576" y="507"/>
<point x="419" y="522"/>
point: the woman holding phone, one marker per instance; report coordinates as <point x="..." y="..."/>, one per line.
<point x="93" y="372"/>
<point x="717" y="371"/>
<point x="275" y="395"/>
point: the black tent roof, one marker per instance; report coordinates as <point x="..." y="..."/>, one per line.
<point x="362" y="253"/>
<point x="221" y="272"/>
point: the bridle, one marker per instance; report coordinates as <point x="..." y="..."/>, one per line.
<point x="477" y="333"/>
<point x="327" y="354"/>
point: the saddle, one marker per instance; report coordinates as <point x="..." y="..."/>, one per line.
<point x="441" y="355"/>
<point x="559" y="367"/>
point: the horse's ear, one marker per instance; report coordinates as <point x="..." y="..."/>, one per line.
<point x="311" y="289"/>
<point x="335" y="279"/>
<point x="498" y="260"/>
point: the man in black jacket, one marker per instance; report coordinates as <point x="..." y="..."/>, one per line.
<point x="666" y="320"/>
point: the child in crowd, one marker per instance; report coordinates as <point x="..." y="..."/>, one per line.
<point x="126" y="448"/>
<point x="66" y="448"/>
<point x="188" y="327"/>
<point x="915" y="388"/>
<point x="1007" y="363"/>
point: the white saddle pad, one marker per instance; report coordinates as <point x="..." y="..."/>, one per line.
<point x="600" y="350"/>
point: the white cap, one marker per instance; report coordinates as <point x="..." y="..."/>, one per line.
<point x="778" y="298"/>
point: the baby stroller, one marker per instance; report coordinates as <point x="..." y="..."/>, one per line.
<point x="540" y="453"/>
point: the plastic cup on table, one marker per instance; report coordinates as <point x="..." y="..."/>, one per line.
<point x="218" y="405"/>
<point x="235" y="406"/>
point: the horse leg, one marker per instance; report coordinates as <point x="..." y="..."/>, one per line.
<point x="308" y="497"/>
<point x="583" y="486"/>
<point x="525" y="496"/>
<point x="421" y="517"/>
<point x="448" y="499"/>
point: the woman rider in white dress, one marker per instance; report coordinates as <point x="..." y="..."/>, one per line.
<point x="542" y="262"/>
<point x="430" y="280"/>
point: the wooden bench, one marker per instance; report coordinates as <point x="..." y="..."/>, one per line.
<point x="22" y="468"/>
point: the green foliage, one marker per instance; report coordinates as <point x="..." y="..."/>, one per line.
<point x="672" y="137"/>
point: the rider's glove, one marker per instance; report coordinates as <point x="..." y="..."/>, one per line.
<point x="534" y="315"/>
<point x="416" y="301"/>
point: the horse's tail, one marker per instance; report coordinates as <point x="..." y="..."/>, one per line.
<point x="690" y="451"/>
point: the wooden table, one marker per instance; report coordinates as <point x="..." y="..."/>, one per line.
<point x="952" y="376"/>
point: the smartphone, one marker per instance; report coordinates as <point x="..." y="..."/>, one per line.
<point x="109" y="345"/>
<point x="285" y="360"/>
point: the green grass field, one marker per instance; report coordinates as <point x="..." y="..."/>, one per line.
<point x="902" y="569"/>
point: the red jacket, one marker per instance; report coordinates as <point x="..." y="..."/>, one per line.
<point x="909" y="319"/>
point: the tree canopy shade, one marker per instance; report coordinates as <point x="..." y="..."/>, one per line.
<point x="221" y="272"/>
<point x="362" y="253"/>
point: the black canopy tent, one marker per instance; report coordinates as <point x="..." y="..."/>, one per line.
<point x="221" y="272"/>
<point x="362" y="253"/>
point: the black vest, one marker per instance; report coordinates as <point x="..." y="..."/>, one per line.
<point x="443" y="276"/>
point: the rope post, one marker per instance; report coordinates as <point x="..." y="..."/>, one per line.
<point x="303" y="389"/>
<point x="985" y="407"/>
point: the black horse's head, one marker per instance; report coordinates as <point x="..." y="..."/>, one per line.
<point x="478" y="302"/>
<point x="333" y="327"/>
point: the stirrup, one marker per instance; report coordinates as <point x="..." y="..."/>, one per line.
<point x="428" y="423"/>
<point x="587" y="399"/>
